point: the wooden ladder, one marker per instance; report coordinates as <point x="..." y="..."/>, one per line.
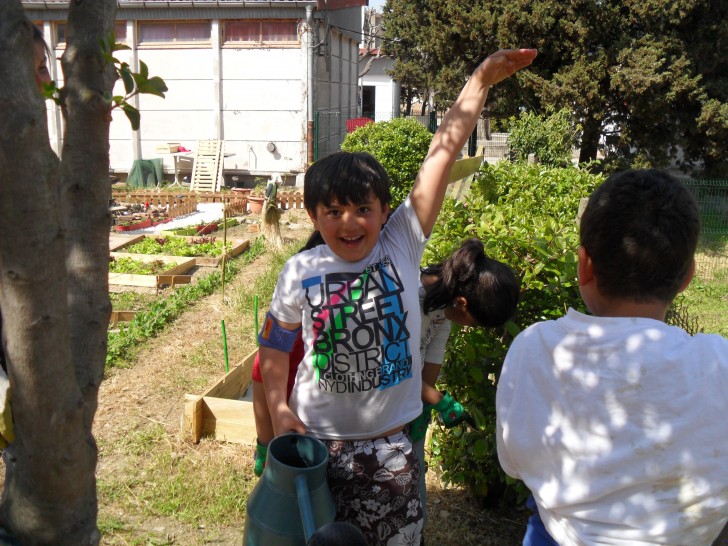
<point x="207" y="166"/>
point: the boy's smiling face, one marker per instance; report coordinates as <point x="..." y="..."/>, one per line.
<point x="351" y="231"/>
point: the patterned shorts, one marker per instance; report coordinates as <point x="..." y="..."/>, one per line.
<point x="375" y="487"/>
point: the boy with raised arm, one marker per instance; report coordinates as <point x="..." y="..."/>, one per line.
<point x="356" y="299"/>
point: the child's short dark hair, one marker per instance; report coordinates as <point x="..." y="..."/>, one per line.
<point x="490" y="287"/>
<point x="640" y="229"/>
<point x="345" y="177"/>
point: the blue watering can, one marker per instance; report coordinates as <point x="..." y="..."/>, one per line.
<point x="291" y="504"/>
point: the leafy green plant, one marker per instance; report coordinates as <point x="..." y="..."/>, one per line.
<point x="179" y="246"/>
<point x="137" y="267"/>
<point x="550" y="137"/>
<point x="400" y="145"/>
<point x="130" y="301"/>
<point x="526" y="217"/>
<point x="259" y="188"/>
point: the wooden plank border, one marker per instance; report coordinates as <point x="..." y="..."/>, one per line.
<point x="219" y="412"/>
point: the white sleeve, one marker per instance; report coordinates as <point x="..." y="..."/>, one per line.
<point x="404" y="232"/>
<point x="434" y="352"/>
<point x="284" y="304"/>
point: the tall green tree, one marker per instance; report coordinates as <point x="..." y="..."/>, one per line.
<point x="647" y="80"/>
<point x="412" y="71"/>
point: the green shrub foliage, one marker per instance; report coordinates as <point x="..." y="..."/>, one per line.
<point x="526" y="216"/>
<point x="400" y="145"/>
<point x="550" y="137"/>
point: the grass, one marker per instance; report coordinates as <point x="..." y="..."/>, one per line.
<point x="167" y="479"/>
<point x="707" y="301"/>
<point x="244" y="300"/>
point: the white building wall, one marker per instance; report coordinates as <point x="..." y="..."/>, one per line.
<point x="264" y="101"/>
<point x="251" y="97"/>
<point x="387" y="91"/>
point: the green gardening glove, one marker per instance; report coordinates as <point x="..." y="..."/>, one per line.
<point x="261" y="453"/>
<point x="418" y="427"/>
<point x="452" y="412"/>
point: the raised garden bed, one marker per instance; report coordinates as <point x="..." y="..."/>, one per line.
<point x="171" y="245"/>
<point x="119" y="240"/>
<point x="173" y="275"/>
<point x="121" y="316"/>
<point x="220" y="411"/>
<point x="133" y="226"/>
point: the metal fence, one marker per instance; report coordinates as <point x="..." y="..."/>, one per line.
<point x="712" y="199"/>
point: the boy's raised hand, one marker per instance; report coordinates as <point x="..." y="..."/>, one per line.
<point x="428" y="191"/>
<point x="503" y="64"/>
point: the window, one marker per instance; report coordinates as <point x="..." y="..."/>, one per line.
<point x="60" y="33"/>
<point x="168" y="32"/>
<point x="258" y="32"/>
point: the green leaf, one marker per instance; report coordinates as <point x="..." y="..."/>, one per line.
<point x="127" y="78"/>
<point x="512" y="328"/>
<point x="154" y="86"/>
<point x="133" y="115"/>
<point x="476" y="374"/>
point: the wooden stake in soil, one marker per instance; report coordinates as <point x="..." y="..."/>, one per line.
<point x="224" y="254"/>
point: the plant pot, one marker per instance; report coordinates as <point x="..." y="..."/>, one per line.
<point x="255" y="204"/>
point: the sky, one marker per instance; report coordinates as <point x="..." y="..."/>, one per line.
<point x="379" y="4"/>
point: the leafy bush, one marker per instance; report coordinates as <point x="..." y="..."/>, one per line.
<point x="550" y="137"/>
<point x="526" y="217"/>
<point x="400" y="145"/>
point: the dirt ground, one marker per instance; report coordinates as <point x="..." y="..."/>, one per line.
<point x="153" y="388"/>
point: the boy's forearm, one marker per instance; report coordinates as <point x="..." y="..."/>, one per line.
<point x="428" y="192"/>
<point x="274" y="371"/>
<point x="430" y="372"/>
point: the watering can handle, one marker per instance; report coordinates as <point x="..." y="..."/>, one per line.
<point x="304" y="506"/>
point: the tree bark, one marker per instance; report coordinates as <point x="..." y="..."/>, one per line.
<point x="590" y="140"/>
<point x="54" y="278"/>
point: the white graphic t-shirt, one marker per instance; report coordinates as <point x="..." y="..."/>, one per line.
<point x="361" y="374"/>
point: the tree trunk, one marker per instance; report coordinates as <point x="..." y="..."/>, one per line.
<point x="53" y="279"/>
<point x="86" y="191"/>
<point x="590" y="140"/>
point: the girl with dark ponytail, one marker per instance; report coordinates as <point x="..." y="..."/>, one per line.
<point x="469" y="289"/>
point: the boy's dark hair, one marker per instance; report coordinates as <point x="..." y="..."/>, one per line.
<point x="345" y="177"/>
<point x="640" y="229"/>
<point x="490" y="287"/>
